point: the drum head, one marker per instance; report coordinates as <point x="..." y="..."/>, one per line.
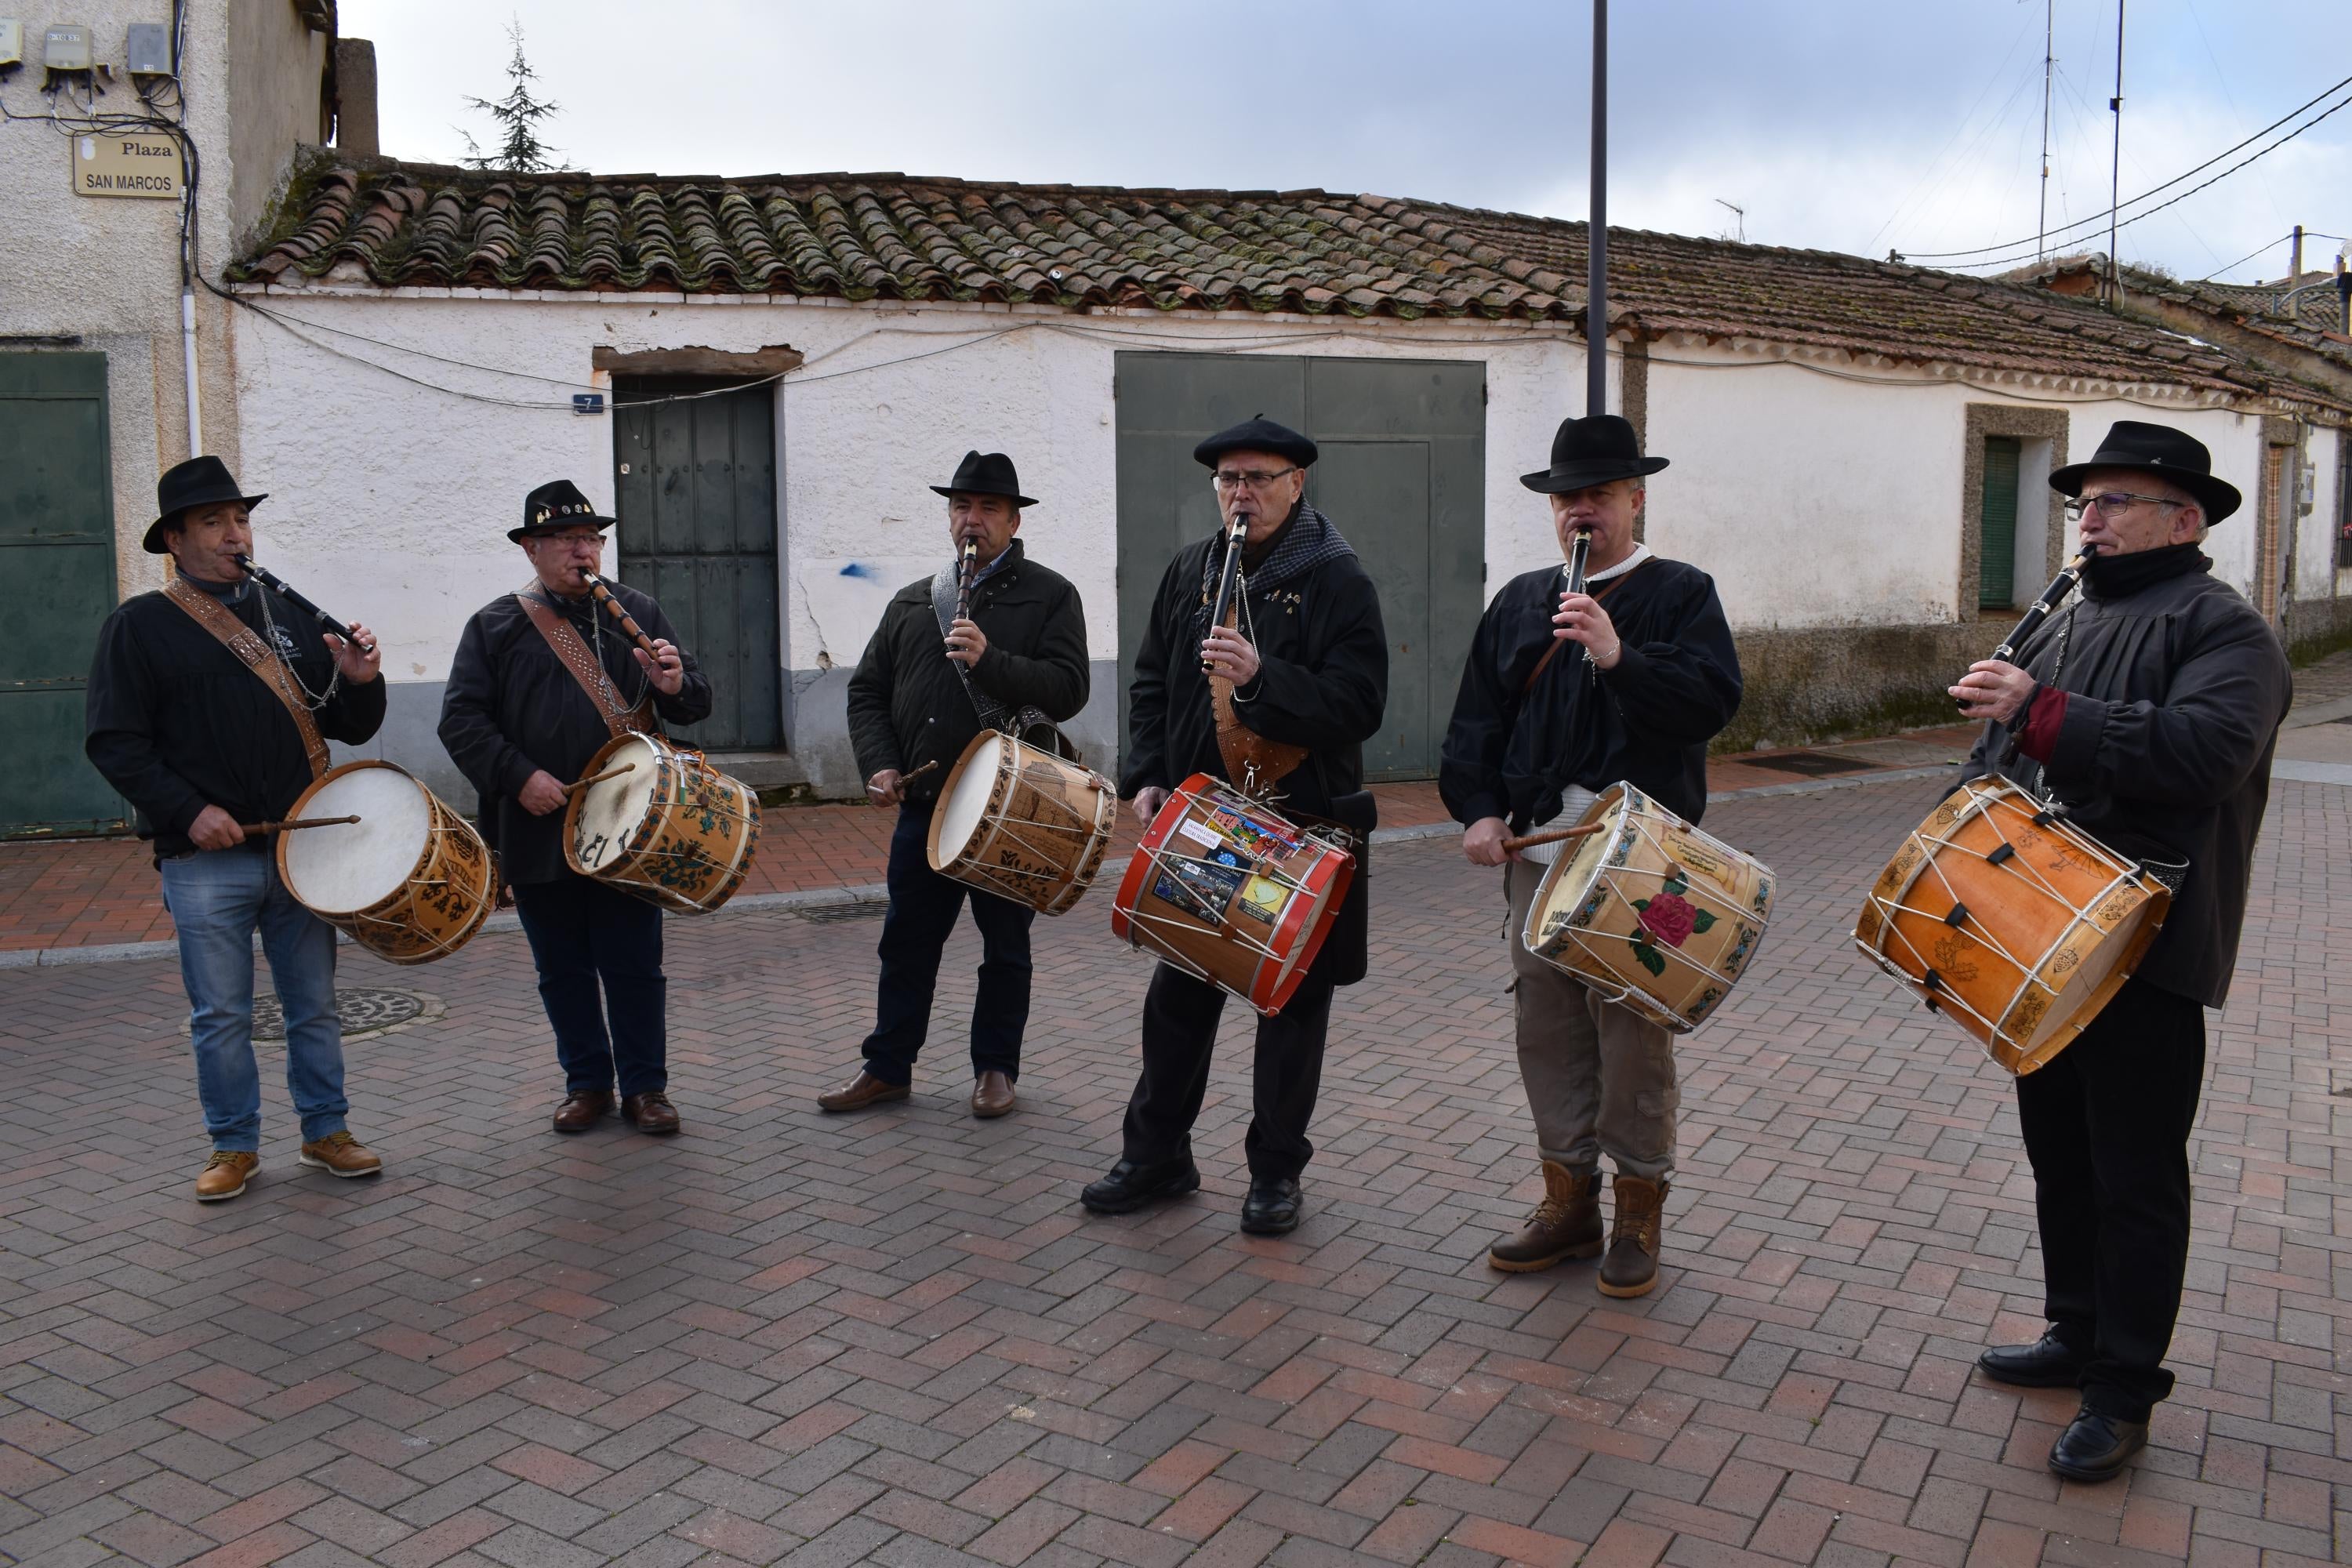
<point x="611" y="812"/>
<point x="963" y="805"/>
<point x="351" y="867"/>
<point x="1571" y="876"/>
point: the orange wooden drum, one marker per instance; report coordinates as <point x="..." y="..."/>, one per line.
<point x="411" y="880"/>
<point x="1227" y="890"/>
<point x="2009" y="922"/>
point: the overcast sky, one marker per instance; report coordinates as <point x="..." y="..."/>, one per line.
<point x="1856" y="125"/>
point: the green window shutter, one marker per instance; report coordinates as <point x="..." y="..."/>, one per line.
<point x="1997" y="558"/>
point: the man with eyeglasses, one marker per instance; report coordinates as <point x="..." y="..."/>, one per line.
<point x="1279" y="700"/>
<point x="933" y="675"/>
<point x="1563" y="695"/>
<point x="2146" y="712"/>
<point x="539" y="683"/>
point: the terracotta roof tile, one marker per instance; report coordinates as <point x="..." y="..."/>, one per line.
<point x="864" y="237"/>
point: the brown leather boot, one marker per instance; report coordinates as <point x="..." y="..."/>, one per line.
<point x="992" y="1094"/>
<point x="1566" y="1224"/>
<point x="1632" y="1266"/>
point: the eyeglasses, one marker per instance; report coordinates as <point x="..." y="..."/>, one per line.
<point x="575" y="537"/>
<point x="2113" y="503"/>
<point x="1258" y="481"/>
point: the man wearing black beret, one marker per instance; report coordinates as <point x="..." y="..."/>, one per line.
<point x="2146" y="713"/>
<point x="538" y="686"/>
<point x="1563" y="695"/>
<point x="1279" y="701"/>
<point x="934" y="673"/>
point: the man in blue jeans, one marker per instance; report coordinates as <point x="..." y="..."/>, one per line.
<point x="210" y="705"/>
<point x="929" y="680"/>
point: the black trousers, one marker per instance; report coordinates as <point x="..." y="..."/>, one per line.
<point x="1180" y="1033"/>
<point x="923" y="909"/>
<point x="2107" y="1127"/>
<point x="582" y="933"/>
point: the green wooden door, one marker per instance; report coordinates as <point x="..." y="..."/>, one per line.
<point x="1402" y="475"/>
<point x="56" y="557"/>
<point x="696" y="479"/>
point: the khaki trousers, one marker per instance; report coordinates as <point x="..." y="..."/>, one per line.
<point x="1599" y="1078"/>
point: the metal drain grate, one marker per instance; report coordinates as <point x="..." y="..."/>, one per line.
<point x="1812" y="764"/>
<point x="363" y="1010"/>
<point x="842" y="914"/>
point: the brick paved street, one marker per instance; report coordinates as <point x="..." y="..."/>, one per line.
<point x="895" y="1338"/>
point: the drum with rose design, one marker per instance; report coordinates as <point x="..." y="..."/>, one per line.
<point x="1654" y="915"/>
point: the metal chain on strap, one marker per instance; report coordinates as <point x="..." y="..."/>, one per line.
<point x="315" y="699"/>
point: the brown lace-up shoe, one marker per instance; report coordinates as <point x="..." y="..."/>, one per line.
<point x="583" y="1109"/>
<point x="1566" y="1224"/>
<point x="224" y="1175"/>
<point x="1634" y="1236"/>
<point x="992" y="1094"/>
<point x="861" y="1092"/>
<point x="650" y="1112"/>
<point x="341" y="1154"/>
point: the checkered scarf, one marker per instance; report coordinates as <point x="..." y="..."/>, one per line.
<point x="1310" y="541"/>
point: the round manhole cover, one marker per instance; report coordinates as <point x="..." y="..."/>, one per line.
<point x="363" y="1010"/>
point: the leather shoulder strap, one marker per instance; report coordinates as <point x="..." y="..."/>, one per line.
<point x="1552" y="652"/>
<point x="575" y="657"/>
<point x="258" y="656"/>
<point x="1252" y="762"/>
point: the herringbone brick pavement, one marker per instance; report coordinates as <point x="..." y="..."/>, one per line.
<point x="895" y="1338"/>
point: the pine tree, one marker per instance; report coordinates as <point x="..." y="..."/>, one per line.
<point x="518" y="114"/>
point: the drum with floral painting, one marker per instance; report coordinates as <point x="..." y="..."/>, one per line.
<point x="1651" y="913"/>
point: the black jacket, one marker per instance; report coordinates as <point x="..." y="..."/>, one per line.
<point x="2175" y="691"/>
<point x="1322" y="683"/>
<point x="512" y="708"/>
<point x="1509" y="751"/>
<point x="178" y="722"/>
<point x="907" y="705"/>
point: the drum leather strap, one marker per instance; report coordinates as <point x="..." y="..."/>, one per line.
<point x="1253" y="763"/>
<point x="258" y="656"/>
<point x="574" y="656"/>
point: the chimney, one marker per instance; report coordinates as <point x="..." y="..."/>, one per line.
<point x="2293" y="257"/>
<point x="355" y="123"/>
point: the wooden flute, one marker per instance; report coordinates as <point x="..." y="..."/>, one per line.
<point x="613" y="606"/>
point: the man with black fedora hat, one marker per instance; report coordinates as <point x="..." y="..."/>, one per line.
<point x="210" y="705"/>
<point x="539" y="683"/>
<point x="1278" y="701"/>
<point x="2146" y="713"/>
<point x="932" y="678"/>
<point x="1563" y="695"/>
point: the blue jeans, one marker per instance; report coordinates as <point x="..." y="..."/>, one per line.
<point x="923" y="909"/>
<point x="583" y="932"/>
<point x="218" y="899"/>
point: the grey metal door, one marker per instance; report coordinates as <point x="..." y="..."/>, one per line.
<point x="696" y="478"/>
<point x="56" y="556"/>
<point x="1402" y="473"/>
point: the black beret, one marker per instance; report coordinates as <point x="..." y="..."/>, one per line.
<point x="1258" y="434"/>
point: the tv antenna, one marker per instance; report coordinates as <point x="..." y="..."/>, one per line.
<point x="1739" y="217"/>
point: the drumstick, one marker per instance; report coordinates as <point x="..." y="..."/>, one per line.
<point x="256" y="830"/>
<point x="906" y="779"/>
<point x="598" y="778"/>
<point x="1512" y="845"/>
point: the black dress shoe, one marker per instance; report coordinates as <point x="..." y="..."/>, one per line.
<point x="1271" y="1208"/>
<point x="1129" y="1186"/>
<point x="2096" y="1447"/>
<point x="2044" y="1363"/>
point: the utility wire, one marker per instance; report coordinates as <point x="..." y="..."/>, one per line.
<point x="2097" y="218"/>
<point x="2257" y="250"/>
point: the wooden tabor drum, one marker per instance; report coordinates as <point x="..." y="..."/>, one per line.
<point x="411" y="880"/>
<point x="1022" y="823"/>
<point x="672" y="830"/>
<point x="2011" y="921"/>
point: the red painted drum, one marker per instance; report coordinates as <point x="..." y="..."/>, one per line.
<point x="1232" y="892"/>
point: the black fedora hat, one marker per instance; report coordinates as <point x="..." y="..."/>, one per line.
<point x="1591" y="451"/>
<point x="199" y="481"/>
<point x="555" y="506"/>
<point x="1256" y="435"/>
<point x="986" y="474"/>
<point x="2159" y="449"/>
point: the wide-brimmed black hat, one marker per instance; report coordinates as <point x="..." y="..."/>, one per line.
<point x="554" y="507"/>
<point x="986" y="474"/>
<point x="1591" y="451"/>
<point x="199" y="481"/>
<point x="1256" y="435"/>
<point x="2159" y="449"/>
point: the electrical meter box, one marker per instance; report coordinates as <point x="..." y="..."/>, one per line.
<point x="11" y="42"/>
<point x="149" y="51"/>
<point x="66" y="48"/>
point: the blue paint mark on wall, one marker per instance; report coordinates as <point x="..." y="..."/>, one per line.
<point x="859" y="569"/>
